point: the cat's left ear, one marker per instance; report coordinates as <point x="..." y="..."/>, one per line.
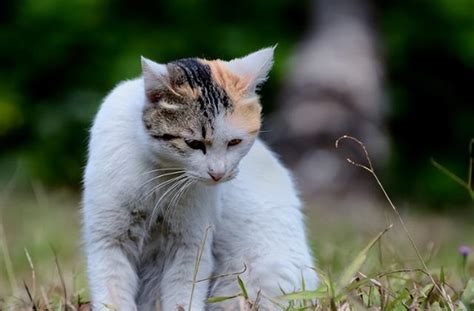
<point x="254" y="68"/>
<point x="155" y="77"/>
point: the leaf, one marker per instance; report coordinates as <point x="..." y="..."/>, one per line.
<point x="461" y="307"/>
<point x="441" y="276"/>
<point x="467" y="296"/>
<point x="220" y="298"/>
<point x="358" y="261"/>
<point x="319" y="293"/>
<point x="397" y="303"/>
<point x="435" y="306"/>
<point x="425" y="291"/>
<point x="242" y="287"/>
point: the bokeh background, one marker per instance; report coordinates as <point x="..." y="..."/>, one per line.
<point x="59" y="58"/>
<point x="397" y="74"/>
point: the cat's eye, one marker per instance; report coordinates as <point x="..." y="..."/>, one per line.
<point x="195" y="144"/>
<point x="165" y="137"/>
<point x="234" y="142"/>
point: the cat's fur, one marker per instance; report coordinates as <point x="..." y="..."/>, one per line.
<point x="156" y="147"/>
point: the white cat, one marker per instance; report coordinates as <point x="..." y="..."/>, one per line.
<point x="174" y="155"/>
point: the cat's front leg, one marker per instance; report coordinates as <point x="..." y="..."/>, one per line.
<point x="111" y="271"/>
<point x="181" y="286"/>
<point x="112" y="279"/>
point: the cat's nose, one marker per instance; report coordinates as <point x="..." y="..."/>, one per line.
<point x="216" y="176"/>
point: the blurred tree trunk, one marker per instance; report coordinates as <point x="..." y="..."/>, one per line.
<point x="334" y="88"/>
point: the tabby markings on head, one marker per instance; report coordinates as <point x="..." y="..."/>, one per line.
<point x="212" y="97"/>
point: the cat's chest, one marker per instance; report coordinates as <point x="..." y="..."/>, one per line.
<point x="159" y="214"/>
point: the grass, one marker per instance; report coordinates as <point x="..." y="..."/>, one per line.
<point x="390" y="274"/>
<point x="370" y="256"/>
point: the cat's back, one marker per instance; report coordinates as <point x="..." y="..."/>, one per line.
<point x="113" y="149"/>
<point x="122" y="105"/>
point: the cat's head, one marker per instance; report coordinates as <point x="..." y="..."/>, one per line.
<point x="204" y="115"/>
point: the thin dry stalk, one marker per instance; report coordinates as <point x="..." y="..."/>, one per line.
<point x="7" y="260"/>
<point x="8" y="188"/>
<point x="198" y="262"/>
<point x="371" y="170"/>
<point x="33" y="272"/>
<point x="471" y="165"/>
<point x="256" y="303"/>
<point x="61" y="278"/>
<point x="30" y="297"/>
<point x="223" y="275"/>
<point x="45" y="297"/>
<point x="467" y="185"/>
<point x="454" y="177"/>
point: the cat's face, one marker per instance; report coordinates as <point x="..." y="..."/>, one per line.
<point x="204" y="116"/>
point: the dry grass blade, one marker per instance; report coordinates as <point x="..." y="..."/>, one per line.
<point x="33" y="272"/>
<point x="45" y="297"/>
<point x="198" y="262"/>
<point x="371" y="170"/>
<point x="30" y="297"/>
<point x="7" y="260"/>
<point x="453" y="177"/>
<point x="223" y="275"/>
<point x="63" y="283"/>
<point x="471" y="164"/>
<point x="467" y="185"/>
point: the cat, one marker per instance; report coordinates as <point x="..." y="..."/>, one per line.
<point x="175" y="171"/>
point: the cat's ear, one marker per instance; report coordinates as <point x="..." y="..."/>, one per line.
<point x="155" y="77"/>
<point x="253" y="68"/>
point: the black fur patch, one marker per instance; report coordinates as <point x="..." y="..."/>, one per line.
<point x="198" y="75"/>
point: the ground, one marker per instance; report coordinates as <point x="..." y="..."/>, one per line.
<point x="45" y="227"/>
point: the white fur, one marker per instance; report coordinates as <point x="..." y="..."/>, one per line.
<point x="256" y="218"/>
<point x="254" y="66"/>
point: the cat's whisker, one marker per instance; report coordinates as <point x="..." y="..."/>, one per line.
<point x="160" y="176"/>
<point x="186" y="187"/>
<point x="172" y="187"/>
<point x="162" y="169"/>
<point x="176" y="199"/>
<point x="162" y="184"/>
<point x="178" y="194"/>
<point x="169" y="208"/>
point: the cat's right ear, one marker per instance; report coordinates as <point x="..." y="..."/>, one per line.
<point x="155" y="78"/>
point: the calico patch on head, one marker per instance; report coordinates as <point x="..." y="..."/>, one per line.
<point x="186" y="97"/>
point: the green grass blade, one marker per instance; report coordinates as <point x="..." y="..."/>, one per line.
<point x="319" y="293"/>
<point x="242" y="287"/>
<point x="220" y="298"/>
<point x="453" y="177"/>
<point x="358" y="261"/>
<point x="442" y="277"/>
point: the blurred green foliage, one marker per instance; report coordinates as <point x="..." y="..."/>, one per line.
<point x="59" y="58"/>
<point x="429" y="48"/>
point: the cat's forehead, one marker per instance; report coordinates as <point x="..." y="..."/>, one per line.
<point x="201" y="93"/>
<point x="209" y="85"/>
<point x="210" y="80"/>
<point x="195" y="78"/>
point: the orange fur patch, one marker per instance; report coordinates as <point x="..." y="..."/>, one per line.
<point x="247" y="111"/>
<point x="247" y="115"/>
<point x="235" y="86"/>
<point x="187" y="91"/>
